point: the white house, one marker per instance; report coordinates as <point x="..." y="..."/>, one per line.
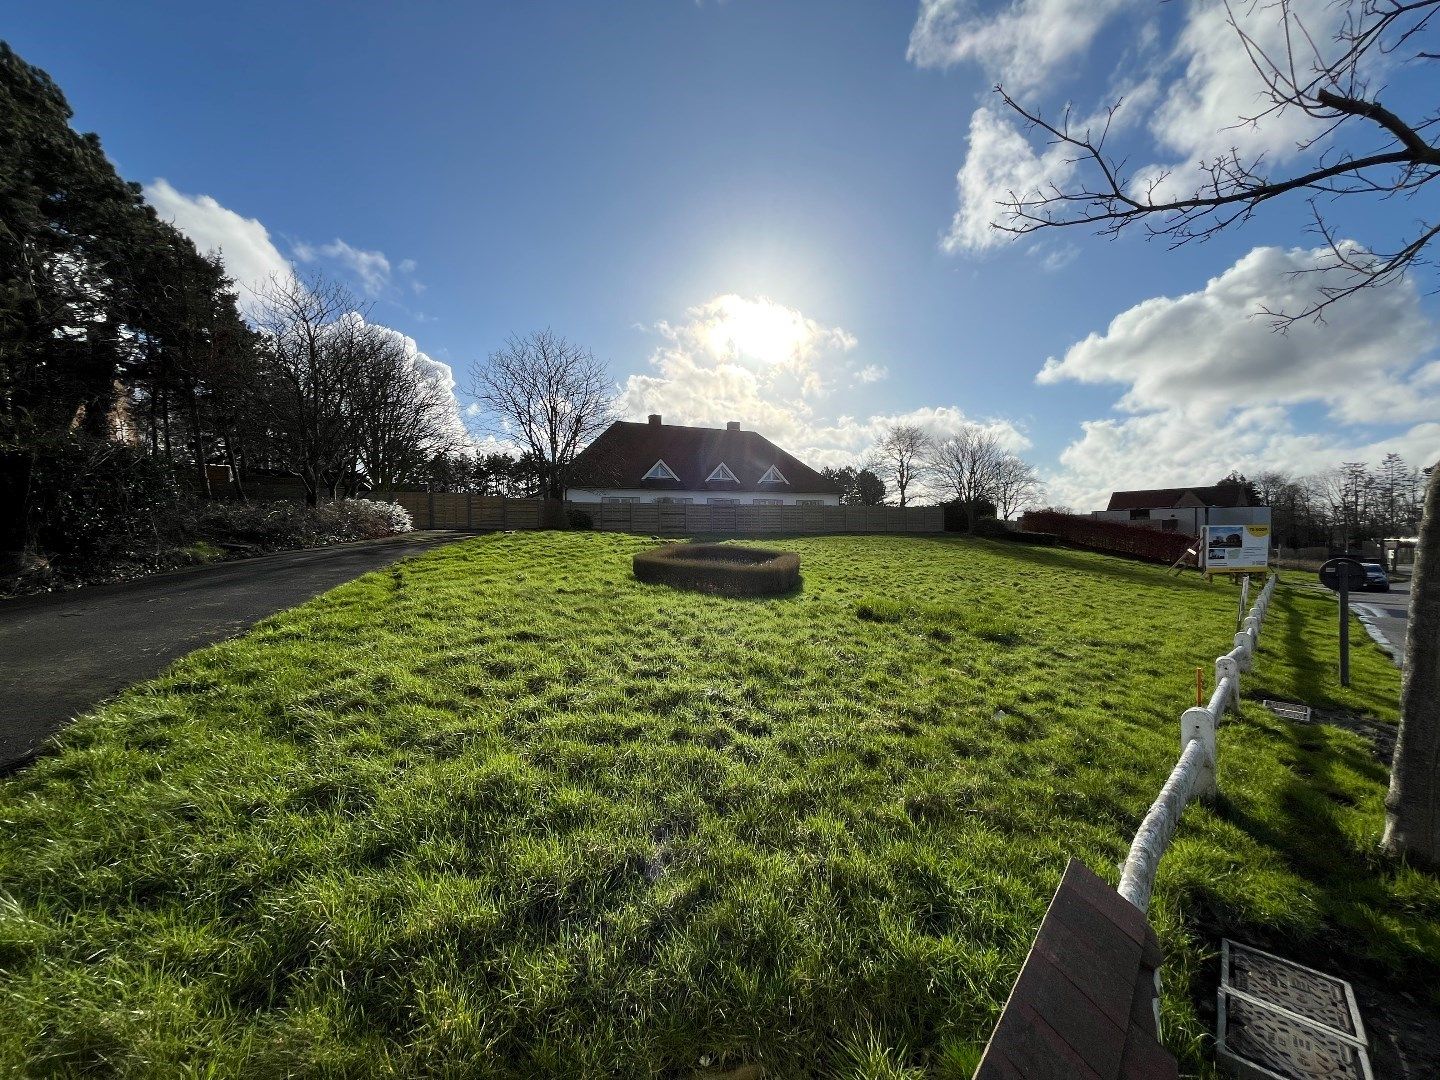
<point x="670" y="463"/>
<point x="1184" y="510"/>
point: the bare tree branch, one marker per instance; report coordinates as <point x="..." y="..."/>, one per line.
<point x="1327" y="81"/>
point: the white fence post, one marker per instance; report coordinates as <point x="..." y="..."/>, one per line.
<point x="1194" y="774"/>
<point x="1226" y="667"/>
<point x="1198" y="725"/>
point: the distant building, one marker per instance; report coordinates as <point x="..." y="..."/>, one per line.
<point x="670" y="463"/>
<point x="1184" y="509"/>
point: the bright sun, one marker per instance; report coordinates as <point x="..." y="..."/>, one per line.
<point x="757" y="330"/>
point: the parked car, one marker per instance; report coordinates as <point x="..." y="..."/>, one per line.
<point x="1376" y="580"/>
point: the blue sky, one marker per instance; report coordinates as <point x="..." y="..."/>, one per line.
<point x="770" y="212"/>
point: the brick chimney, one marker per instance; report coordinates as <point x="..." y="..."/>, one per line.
<point x="733" y="425"/>
<point x="655" y="419"/>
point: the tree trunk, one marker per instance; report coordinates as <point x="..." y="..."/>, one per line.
<point x="1412" y="808"/>
<point x="235" y="477"/>
<point x="197" y="444"/>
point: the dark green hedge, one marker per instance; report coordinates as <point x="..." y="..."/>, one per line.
<point x="1024" y="536"/>
<point x="720" y="568"/>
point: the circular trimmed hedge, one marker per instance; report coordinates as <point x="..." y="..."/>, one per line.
<point x="720" y="568"/>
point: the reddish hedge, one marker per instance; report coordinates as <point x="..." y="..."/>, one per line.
<point x="1110" y="536"/>
<point x="720" y="568"/>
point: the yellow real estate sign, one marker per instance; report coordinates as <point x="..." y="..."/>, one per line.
<point x="1237" y="549"/>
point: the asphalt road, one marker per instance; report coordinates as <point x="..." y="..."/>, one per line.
<point x="1387" y="614"/>
<point x="63" y="653"/>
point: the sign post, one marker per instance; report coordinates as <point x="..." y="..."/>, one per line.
<point x="1342" y="575"/>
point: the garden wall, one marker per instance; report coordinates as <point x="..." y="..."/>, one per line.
<point x="445" y="510"/>
<point x="1111" y="537"/>
<point x="483" y="513"/>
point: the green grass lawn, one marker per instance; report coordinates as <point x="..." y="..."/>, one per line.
<point x="503" y="811"/>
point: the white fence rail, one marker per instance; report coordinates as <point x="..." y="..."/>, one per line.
<point x="1194" y="774"/>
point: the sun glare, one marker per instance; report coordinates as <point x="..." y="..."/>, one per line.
<point x="757" y="330"/>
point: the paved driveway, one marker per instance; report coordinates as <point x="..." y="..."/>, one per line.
<point x="1386" y="615"/>
<point x="61" y="654"/>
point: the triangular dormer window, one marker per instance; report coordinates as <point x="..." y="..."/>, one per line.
<point x="773" y="476"/>
<point x="722" y="472"/>
<point x="660" y="471"/>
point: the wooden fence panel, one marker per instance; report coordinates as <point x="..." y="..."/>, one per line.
<point x="490" y="513"/>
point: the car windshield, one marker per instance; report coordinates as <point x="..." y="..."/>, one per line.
<point x="1374" y="568"/>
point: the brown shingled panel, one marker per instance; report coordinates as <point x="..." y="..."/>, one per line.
<point x="1146" y="1059"/>
<point x="1083" y="1004"/>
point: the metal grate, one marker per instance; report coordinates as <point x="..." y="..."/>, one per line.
<point x="1278" y="1019"/>
<point x="1313" y="994"/>
<point x="1289" y="710"/>
<point x="1285" y="1046"/>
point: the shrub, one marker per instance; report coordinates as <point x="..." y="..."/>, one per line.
<point x="290" y="524"/>
<point x="384" y="518"/>
<point x="1109" y="536"/>
<point x="95" y="497"/>
<point x="579" y="519"/>
<point x="1025" y="536"/>
<point x="720" y="568"/>
<point x="991" y="528"/>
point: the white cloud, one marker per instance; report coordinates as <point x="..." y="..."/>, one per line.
<point x="250" y="256"/>
<point x="871" y="373"/>
<point x="371" y="267"/>
<point x="1203" y="111"/>
<point x="1167" y="450"/>
<point x="1210" y="386"/>
<point x="768" y="366"/>
<point x="999" y="162"/>
<point x="1022" y="44"/>
<point x="1203" y="352"/>
<point x="1190" y="101"/>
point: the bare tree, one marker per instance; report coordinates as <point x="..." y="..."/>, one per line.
<point x="401" y="416"/>
<point x="1017" y="487"/>
<point x="304" y="326"/>
<point x="551" y="396"/>
<point x="901" y="456"/>
<point x="967" y="467"/>
<point x="1331" y="81"/>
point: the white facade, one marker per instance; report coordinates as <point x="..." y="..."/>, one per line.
<point x="703" y="498"/>
<point x="1189" y="520"/>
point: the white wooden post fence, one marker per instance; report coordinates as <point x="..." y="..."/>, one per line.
<point x="1194" y="774"/>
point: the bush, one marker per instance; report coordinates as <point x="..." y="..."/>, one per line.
<point x="991" y="528"/>
<point x="278" y="525"/>
<point x="1109" y="536"/>
<point x="95" y="497"/>
<point x="1024" y="536"/>
<point x="579" y="519"/>
<point x="720" y="568"/>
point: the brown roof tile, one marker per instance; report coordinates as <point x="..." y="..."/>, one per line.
<point x="1165" y="498"/>
<point x="624" y="452"/>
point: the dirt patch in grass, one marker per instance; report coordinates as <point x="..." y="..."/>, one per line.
<point x="505" y="805"/>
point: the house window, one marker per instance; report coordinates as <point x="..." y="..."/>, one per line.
<point x="674" y="499"/>
<point x="773" y="476"/>
<point x="618" y="499"/>
<point x="722" y="502"/>
<point x="722" y="472"/>
<point x="809" y="502"/>
<point x="1139" y="515"/>
<point x="767" y="502"/>
<point x="660" y="471"/>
